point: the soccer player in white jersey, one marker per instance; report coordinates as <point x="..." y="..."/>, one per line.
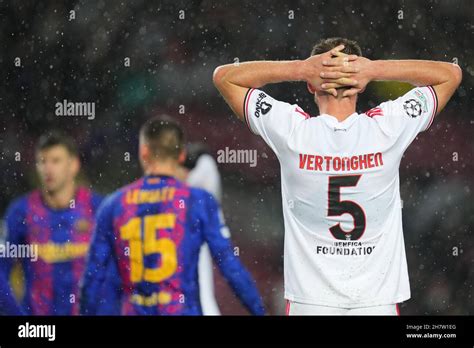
<point x="344" y="251"/>
<point x="200" y="170"/>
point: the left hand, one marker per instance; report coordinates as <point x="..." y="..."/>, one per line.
<point x="336" y="61"/>
<point x="355" y="74"/>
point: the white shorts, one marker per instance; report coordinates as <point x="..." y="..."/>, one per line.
<point x="296" y="308"/>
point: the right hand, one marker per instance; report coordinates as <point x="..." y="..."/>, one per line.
<point x="357" y="71"/>
<point x="334" y="61"/>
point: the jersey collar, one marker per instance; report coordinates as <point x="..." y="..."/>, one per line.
<point x="332" y="121"/>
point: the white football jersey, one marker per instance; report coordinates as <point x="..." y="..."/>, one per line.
<point x="341" y="201"/>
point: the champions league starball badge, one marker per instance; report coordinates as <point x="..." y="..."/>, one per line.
<point x="412" y="108"/>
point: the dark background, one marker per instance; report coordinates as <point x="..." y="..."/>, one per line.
<point x="171" y="65"/>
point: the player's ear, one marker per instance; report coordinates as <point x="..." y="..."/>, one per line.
<point x="144" y="152"/>
<point x="182" y="157"/>
<point x="310" y="87"/>
<point x="75" y="165"/>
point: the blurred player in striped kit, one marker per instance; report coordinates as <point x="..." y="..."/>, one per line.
<point x="152" y="232"/>
<point x="58" y="220"/>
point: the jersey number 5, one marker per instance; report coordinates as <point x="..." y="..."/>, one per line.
<point x="148" y="245"/>
<point x="336" y="207"/>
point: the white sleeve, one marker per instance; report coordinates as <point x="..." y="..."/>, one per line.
<point x="408" y="115"/>
<point x="273" y="120"/>
<point x="206" y="283"/>
<point x="206" y="175"/>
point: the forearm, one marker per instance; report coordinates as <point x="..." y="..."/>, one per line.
<point x="90" y="291"/>
<point x="239" y="280"/>
<point x="244" y="287"/>
<point x="93" y="282"/>
<point x="415" y="72"/>
<point x="234" y="80"/>
<point x="444" y="77"/>
<point x="111" y="292"/>
<point x="259" y="73"/>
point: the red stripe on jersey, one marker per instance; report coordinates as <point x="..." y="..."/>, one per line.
<point x="300" y="111"/>
<point x="287" y="310"/>
<point x="374" y="112"/>
<point x="247" y="98"/>
<point x="398" y="309"/>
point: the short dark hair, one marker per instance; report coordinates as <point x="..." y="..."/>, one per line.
<point x="164" y="136"/>
<point x="56" y="138"/>
<point x="350" y="46"/>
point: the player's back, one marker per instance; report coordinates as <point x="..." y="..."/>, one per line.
<point x="156" y="225"/>
<point x="342" y="172"/>
<point x="344" y="209"/>
<point x="340" y="192"/>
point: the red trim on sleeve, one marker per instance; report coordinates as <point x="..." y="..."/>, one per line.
<point x="246" y="107"/>
<point x="287" y="309"/>
<point x="435" y="105"/>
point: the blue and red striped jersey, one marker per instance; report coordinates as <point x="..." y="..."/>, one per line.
<point x="61" y="238"/>
<point x="153" y="230"/>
